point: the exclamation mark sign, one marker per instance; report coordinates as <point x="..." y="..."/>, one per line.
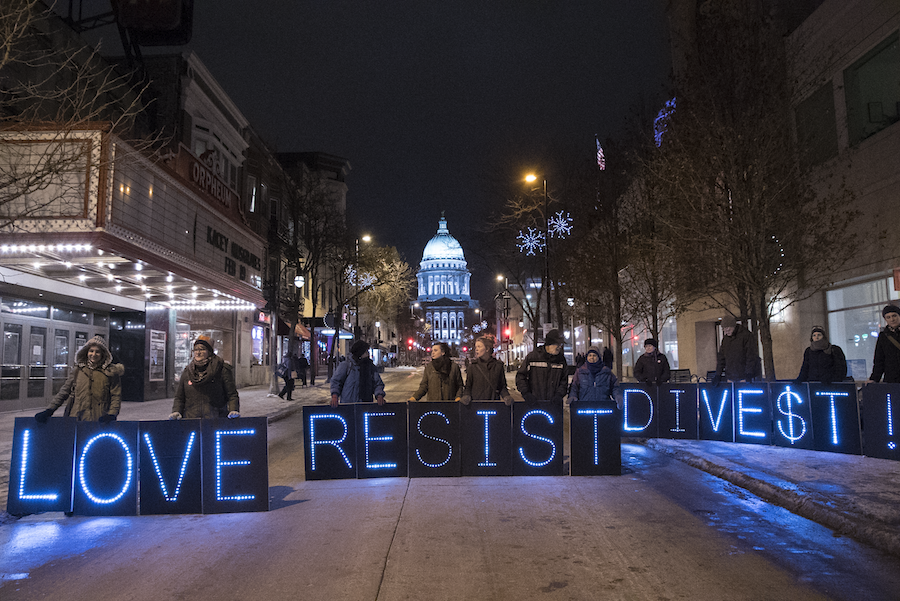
<point x="890" y="423"/>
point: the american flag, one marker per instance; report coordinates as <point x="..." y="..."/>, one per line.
<point x="601" y="160"/>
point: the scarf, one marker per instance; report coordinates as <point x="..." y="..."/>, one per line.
<point x="442" y="367"/>
<point x="595" y="368"/>
<point x="366" y="385"/>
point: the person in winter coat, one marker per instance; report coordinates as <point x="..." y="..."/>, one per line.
<point x="206" y="389"/>
<point x="738" y="359"/>
<point x="607" y="357"/>
<point x="356" y="380"/>
<point x="887" y="348"/>
<point x="822" y="361"/>
<point x="442" y="380"/>
<point x="542" y="376"/>
<point x="286" y="368"/>
<point x="93" y="389"/>
<point x="652" y="367"/>
<point x="302" y="364"/>
<point x="485" y="378"/>
<point x="593" y="381"/>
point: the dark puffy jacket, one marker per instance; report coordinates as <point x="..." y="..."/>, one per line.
<point x="828" y="365"/>
<point x="887" y="358"/>
<point x="438" y="389"/>
<point x="542" y="376"/>
<point x="737" y="356"/>
<point x="206" y="394"/>
<point x="486" y="380"/>
<point x="601" y="386"/>
<point x="652" y="368"/>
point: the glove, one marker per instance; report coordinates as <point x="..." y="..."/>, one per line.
<point x="43" y="416"/>
<point x="174" y="415"/>
<point x="380" y="399"/>
<point x="105" y="419"/>
<point x="508" y="400"/>
<point x="334" y="401"/>
<point x="465" y="399"/>
<point x="411" y="399"/>
<point x="234" y="414"/>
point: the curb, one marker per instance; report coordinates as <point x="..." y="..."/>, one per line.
<point x="855" y="527"/>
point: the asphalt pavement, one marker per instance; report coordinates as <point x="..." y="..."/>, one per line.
<point x="852" y="495"/>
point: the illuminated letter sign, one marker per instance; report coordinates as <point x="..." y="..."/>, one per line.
<point x="595" y="439"/>
<point x="752" y="414"/>
<point x="835" y="418"/>
<point x="716" y="419"/>
<point x="40" y="474"/>
<point x="381" y="443"/>
<point x="434" y="439"/>
<point x="638" y="410"/>
<point x="881" y="416"/>
<point x="538" y="439"/>
<point x="106" y="469"/>
<point x="792" y="416"/>
<point x="677" y="411"/>
<point x="170" y="467"/>
<point x="329" y="441"/>
<point x="486" y="439"/>
<point x="235" y="457"/>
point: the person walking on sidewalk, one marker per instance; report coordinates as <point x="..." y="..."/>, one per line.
<point x="93" y="391"/>
<point x="442" y="379"/>
<point x="652" y="367"/>
<point x="887" y="348"/>
<point x="593" y="381"/>
<point x="302" y="365"/>
<point x="822" y="361"/>
<point x="485" y="378"/>
<point x="206" y="389"/>
<point x="356" y="380"/>
<point x="542" y="376"/>
<point x="286" y="370"/>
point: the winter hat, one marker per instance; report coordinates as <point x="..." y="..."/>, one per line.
<point x="594" y="350"/>
<point x="206" y="341"/>
<point x="554" y="337"/>
<point x="359" y="348"/>
<point x="890" y="309"/>
<point x="729" y="321"/>
<point x="818" y="329"/>
<point x="652" y="342"/>
<point x="98" y="341"/>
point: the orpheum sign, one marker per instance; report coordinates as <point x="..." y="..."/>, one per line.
<point x="203" y="180"/>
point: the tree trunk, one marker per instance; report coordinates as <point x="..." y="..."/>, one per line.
<point x="765" y="337"/>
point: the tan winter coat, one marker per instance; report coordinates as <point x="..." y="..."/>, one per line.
<point x="97" y="391"/>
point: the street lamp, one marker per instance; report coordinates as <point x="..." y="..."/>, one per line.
<point x="571" y="302"/>
<point x="365" y="238"/>
<point x="531" y="178"/>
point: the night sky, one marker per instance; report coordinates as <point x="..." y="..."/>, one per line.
<point x="431" y="100"/>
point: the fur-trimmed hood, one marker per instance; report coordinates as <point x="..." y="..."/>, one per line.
<point x="81" y="359"/>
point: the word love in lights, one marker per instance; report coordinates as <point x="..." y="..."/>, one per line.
<point x="131" y="468"/>
<point x="450" y="439"/>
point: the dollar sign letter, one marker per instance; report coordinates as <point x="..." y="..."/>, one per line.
<point x="788" y="396"/>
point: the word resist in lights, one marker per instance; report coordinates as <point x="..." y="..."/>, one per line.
<point x="536" y="437"/>
<point x="441" y="440"/>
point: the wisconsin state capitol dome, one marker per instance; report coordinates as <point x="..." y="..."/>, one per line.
<point x="442" y="271"/>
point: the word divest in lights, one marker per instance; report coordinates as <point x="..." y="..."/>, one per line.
<point x="130" y="468"/>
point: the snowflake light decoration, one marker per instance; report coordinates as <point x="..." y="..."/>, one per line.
<point x="560" y="225"/>
<point x="476" y="327"/>
<point x="484" y="325"/>
<point x="530" y="242"/>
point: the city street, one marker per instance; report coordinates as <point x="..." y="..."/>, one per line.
<point x="662" y="530"/>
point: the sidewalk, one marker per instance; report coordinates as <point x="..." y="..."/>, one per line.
<point x="853" y="495"/>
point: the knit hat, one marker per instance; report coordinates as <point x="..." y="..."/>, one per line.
<point x="819" y="329"/>
<point x="206" y="341"/>
<point x="729" y="321"/>
<point x="652" y="342"/>
<point x="594" y="350"/>
<point x="359" y="348"/>
<point x="554" y="337"/>
<point x="890" y="309"/>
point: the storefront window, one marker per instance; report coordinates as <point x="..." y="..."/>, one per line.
<point x="258" y="337"/>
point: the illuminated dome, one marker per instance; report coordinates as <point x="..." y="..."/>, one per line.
<point x="443" y="247"/>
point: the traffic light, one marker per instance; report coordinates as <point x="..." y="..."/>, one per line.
<point x="507" y="332"/>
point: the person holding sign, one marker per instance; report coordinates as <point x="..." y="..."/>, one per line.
<point x="356" y="380"/>
<point x="442" y="380"/>
<point x="652" y="367"/>
<point x="206" y="389"/>
<point x="92" y="391"/>
<point x="887" y="348"/>
<point x="593" y="381"/>
<point x="738" y="359"/>
<point x="485" y="378"/>
<point x="822" y="361"/>
<point x="542" y="376"/>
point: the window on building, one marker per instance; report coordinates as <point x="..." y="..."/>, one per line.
<point x="251" y="193"/>
<point x="872" y="87"/>
<point x="817" y="127"/>
<point x="854" y="321"/>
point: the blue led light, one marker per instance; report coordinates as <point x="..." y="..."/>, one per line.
<point x="718" y="422"/>
<point x="184" y="465"/>
<point x="595" y="413"/>
<point x="788" y="397"/>
<point x="742" y="410"/>
<point x="449" y="448"/>
<point x="128" y="459"/>
<point x="487" y="448"/>
<point x="337" y="443"/>
<point x="677" y="427"/>
<point x="220" y="464"/>
<point x="24" y="469"/>
<point x="890" y="423"/>
<point x="536" y="437"/>
<point x="834" y="428"/>
<point x="375" y="466"/>
<point x="650" y="419"/>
